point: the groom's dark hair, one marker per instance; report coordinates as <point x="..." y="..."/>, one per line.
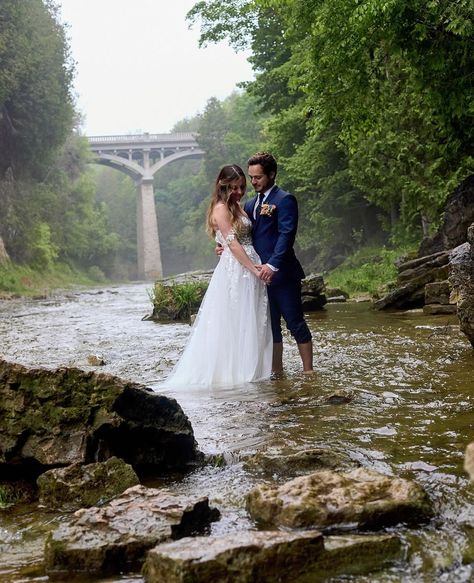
<point x="266" y="161"/>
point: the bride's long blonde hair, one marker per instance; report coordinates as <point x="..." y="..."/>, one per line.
<point x="221" y="193"/>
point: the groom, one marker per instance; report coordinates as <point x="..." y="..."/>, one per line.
<point x="274" y="216"/>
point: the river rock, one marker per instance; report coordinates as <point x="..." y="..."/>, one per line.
<point x="412" y="278"/>
<point x="241" y="557"/>
<point x="469" y="461"/>
<point x="437" y="293"/>
<point x="313" y="292"/>
<point x="462" y="280"/>
<point x="54" y="418"/>
<point x="104" y="541"/>
<point x="361" y="498"/>
<point x="269" y="557"/>
<point x="80" y="486"/>
<point x="296" y="464"/>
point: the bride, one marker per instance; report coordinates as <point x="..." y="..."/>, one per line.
<point x="231" y="339"/>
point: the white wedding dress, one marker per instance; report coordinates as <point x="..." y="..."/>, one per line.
<point x="231" y="339"/>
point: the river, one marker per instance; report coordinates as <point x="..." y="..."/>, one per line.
<point x="411" y="378"/>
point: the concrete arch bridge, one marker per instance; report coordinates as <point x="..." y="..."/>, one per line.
<point x="141" y="156"/>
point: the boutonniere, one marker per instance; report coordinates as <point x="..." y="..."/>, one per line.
<point x="267" y="210"/>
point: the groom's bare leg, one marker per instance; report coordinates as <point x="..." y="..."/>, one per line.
<point x="277" y="361"/>
<point x="306" y="353"/>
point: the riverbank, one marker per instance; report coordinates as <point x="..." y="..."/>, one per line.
<point x="371" y="271"/>
<point x="26" y="281"/>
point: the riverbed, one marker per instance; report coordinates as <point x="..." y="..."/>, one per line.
<point x="409" y="379"/>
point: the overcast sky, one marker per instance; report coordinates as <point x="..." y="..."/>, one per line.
<point x="139" y="67"/>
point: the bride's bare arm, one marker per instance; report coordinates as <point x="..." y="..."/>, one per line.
<point x="221" y="218"/>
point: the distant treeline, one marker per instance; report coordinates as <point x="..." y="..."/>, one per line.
<point x="368" y="107"/>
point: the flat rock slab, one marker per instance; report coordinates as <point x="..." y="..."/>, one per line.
<point x="361" y="498"/>
<point x="269" y="557"/>
<point x="114" y="538"/>
<point x="80" y="486"/>
<point x="242" y="557"/>
<point x="353" y="555"/>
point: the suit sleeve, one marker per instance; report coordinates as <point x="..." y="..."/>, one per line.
<point x="287" y="226"/>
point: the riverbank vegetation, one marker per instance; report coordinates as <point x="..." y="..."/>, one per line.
<point x="368" y="107"/>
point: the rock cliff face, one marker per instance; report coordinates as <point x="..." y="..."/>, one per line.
<point x="462" y="282"/>
<point x="56" y="418"/>
<point x="427" y="281"/>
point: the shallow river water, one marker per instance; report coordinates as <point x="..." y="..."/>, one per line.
<point x="411" y="377"/>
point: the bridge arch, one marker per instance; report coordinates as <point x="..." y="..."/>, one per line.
<point x="141" y="156"/>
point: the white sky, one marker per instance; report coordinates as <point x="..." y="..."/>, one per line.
<point x="139" y="67"/>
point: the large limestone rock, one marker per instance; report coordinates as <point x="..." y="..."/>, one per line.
<point x="431" y="264"/>
<point x="458" y="214"/>
<point x="469" y="461"/>
<point x="99" y="542"/>
<point x="361" y="498"/>
<point x="242" y="557"/>
<point x="56" y="418"/>
<point x="313" y="292"/>
<point x="412" y="278"/>
<point x="80" y="486"/>
<point x="269" y="557"/>
<point x="462" y="280"/>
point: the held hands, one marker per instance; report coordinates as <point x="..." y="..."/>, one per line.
<point x="265" y="273"/>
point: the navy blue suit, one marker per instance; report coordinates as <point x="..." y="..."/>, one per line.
<point x="273" y="238"/>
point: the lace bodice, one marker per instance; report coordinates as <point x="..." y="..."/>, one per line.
<point x="244" y="236"/>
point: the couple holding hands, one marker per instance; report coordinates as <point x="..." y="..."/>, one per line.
<point x="236" y="336"/>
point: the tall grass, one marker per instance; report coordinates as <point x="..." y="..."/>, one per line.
<point x="371" y="270"/>
<point x="26" y="280"/>
<point x="176" y="301"/>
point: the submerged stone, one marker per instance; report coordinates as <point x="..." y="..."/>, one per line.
<point x="115" y="537"/>
<point x="361" y="498"/>
<point x="292" y="464"/>
<point x="241" y="557"/>
<point x="269" y="557"/>
<point x="80" y="486"/>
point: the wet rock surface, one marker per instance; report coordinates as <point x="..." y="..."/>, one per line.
<point x="269" y="557"/>
<point x="462" y="281"/>
<point x="296" y="464"/>
<point x="80" y="486"/>
<point x="469" y="461"/>
<point x="313" y="294"/>
<point x="361" y="498"/>
<point x="114" y="538"/>
<point x="242" y="557"/>
<point x="53" y="418"/>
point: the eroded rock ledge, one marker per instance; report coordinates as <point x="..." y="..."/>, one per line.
<point x="54" y="418"/>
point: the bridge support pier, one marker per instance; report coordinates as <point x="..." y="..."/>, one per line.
<point x="148" y="243"/>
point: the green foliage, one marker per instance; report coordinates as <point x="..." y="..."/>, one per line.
<point x="30" y="281"/>
<point x="176" y="301"/>
<point x="36" y="112"/>
<point x="370" y="270"/>
<point x="44" y="251"/>
<point x="371" y="109"/>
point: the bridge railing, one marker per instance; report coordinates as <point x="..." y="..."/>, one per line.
<point x="137" y="138"/>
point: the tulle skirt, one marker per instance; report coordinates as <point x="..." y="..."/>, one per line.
<point x="231" y="339"/>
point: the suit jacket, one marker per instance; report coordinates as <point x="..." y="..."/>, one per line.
<point x="274" y="235"/>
